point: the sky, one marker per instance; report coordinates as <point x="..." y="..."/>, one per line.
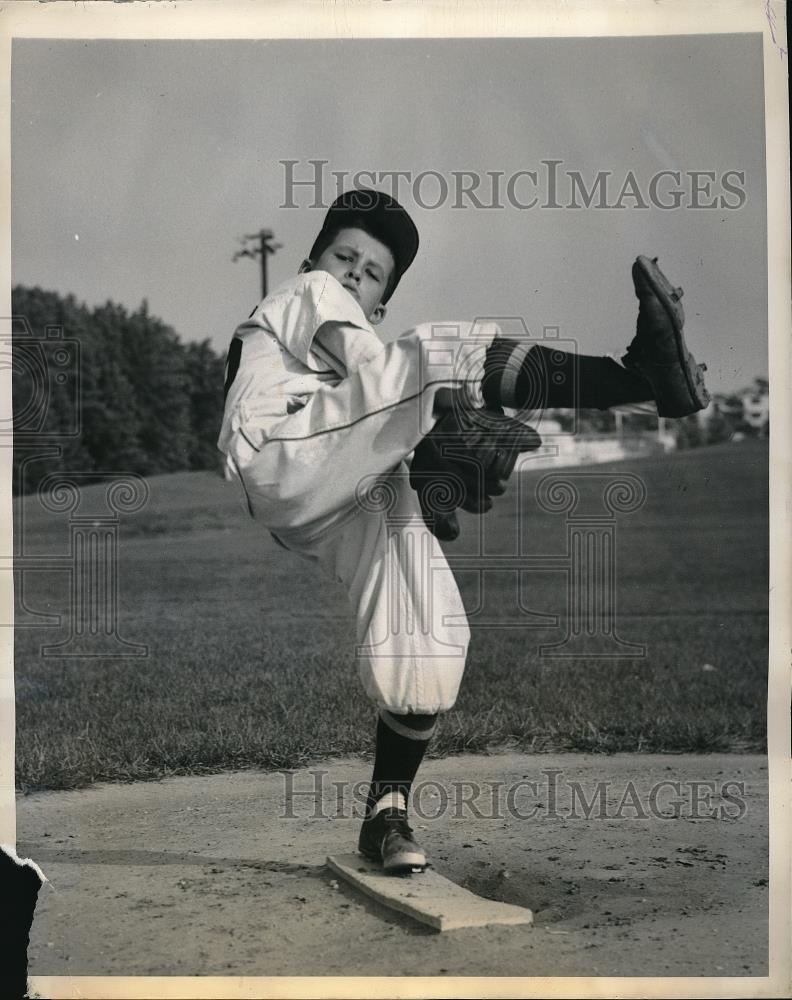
<point x="136" y="166"/>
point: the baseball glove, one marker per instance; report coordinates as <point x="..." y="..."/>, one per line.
<point x="465" y="461"/>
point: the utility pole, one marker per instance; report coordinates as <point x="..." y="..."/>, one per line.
<point x="260" y="245"/>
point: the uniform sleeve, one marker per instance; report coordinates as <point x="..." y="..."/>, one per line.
<point x="297" y="311"/>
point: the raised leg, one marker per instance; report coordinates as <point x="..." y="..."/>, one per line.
<point x="657" y="365"/>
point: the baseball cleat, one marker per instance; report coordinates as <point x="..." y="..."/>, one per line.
<point x="658" y="351"/>
<point x="387" y="838"/>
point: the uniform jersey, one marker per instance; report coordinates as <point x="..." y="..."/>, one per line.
<point x="276" y="361"/>
<point x="320" y="416"/>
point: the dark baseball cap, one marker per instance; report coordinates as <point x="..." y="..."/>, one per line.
<point x="384" y="219"/>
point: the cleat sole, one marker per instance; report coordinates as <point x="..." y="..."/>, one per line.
<point x="669" y="297"/>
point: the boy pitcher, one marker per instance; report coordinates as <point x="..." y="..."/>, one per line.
<point x="321" y="419"/>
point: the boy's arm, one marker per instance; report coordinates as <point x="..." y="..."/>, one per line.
<point x="343" y="347"/>
<point x="319" y="323"/>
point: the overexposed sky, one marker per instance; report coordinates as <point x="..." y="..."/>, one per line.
<point x="136" y="165"/>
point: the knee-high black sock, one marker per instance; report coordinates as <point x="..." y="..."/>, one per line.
<point x="401" y="743"/>
<point x="534" y="377"/>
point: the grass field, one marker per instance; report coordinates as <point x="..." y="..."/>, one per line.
<point x="250" y="656"/>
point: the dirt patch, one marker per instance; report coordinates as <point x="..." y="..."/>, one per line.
<point x="225" y="875"/>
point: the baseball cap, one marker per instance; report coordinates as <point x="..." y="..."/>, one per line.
<point x="385" y="219"/>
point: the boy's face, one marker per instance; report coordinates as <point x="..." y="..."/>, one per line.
<point x="362" y="265"/>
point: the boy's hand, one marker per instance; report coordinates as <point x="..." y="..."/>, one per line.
<point x="464" y="461"/>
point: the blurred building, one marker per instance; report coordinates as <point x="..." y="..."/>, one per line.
<point x="756" y="405"/>
<point x="589" y="437"/>
<point x="737" y="415"/>
<point x="565" y="445"/>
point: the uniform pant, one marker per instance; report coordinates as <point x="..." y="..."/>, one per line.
<point x="331" y="483"/>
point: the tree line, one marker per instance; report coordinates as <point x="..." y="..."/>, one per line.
<point x="141" y="399"/>
<point x="145" y="402"/>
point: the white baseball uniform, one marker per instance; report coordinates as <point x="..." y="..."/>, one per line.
<point x="320" y="416"/>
